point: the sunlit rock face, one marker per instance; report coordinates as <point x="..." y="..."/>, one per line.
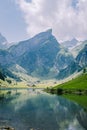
<point x="82" y="57"/>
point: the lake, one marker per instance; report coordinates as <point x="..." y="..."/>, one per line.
<point x="33" y="109"/>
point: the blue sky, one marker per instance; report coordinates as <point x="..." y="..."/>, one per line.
<point x="22" y="19"/>
<point x="12" y="24"/>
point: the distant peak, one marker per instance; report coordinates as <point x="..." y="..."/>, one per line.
<point x="74" y="39"/>
<point x="2" y="39"/>
<point x="1" y="36"/>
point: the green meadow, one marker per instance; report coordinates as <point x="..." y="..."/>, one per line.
<point x="79" y="83"/>
<point x="75" y="90"/>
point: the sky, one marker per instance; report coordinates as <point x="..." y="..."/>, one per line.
<point x="12" y="23"/>
<point x="22" y="19"/>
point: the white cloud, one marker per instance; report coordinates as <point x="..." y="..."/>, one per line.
<point x="67" y="20"/>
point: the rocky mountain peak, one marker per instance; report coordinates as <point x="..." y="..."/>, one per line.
<point x="70" y="44"/>
<point x="49" y="31"/>
<point x="74" y="42"/>
<point x="3" y="42"/>
<point x="43" y="35"/>
<point x="2" y="38"/>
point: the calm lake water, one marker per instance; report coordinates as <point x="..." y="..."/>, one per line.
<point x="28" y="109"/>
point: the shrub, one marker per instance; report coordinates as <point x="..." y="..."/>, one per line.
<point x="9" y="81"/>
<point x="52" y="90"/>
<point x="59" y="91"/>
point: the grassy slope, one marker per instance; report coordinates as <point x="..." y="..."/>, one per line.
<point x="78" y="83"/>
<point x="75" y="84"/>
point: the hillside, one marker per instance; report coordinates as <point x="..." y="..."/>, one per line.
<point x="74" y="90"/>
<point x="75" y="84"/>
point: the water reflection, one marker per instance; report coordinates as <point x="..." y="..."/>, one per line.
<point x="28" y="109"/>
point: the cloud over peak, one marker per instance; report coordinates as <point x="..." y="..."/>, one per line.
<point x="67" y="18"/>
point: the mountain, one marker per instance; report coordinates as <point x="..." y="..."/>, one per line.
<point x="42" y="55"/>
<point x="37" y="55"/>
<point x="3" y="42"/>
<point x="75" y="51"/>
<point x="70" y="44"/>
<point x="82" y="57"/>
<point x="6" y="58"/>
<point x="30" y="44"/>
<point x="63" y="59"/>
<point x="74" y="46"/>
<point x="69" y="70"/>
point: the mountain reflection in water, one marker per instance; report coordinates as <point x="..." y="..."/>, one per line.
<point x="27" y="109"/>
